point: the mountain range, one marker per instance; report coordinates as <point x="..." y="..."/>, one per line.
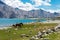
<point x="10" y="12"/>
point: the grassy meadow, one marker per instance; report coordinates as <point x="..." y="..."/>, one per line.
<point x="54" y="36"/>
<point x="30" y="30"/>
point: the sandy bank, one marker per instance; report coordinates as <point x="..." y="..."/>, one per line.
<point x="50" y="21"/>
<point x="1" y="28"/>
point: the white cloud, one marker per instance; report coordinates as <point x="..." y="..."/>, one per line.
<point x="27" y="6"/>
<point x="47" y="4"/>
<point x="41" y="2"/>
<point x="13" y="3"/>
<point x="52" y="11"/>
<point x="18" y="4"/>
<point x="48" y="0"/>
<point x="37" y="2"/>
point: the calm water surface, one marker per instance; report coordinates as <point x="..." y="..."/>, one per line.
<point x="9" y="22"/>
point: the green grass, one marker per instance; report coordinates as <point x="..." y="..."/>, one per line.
<point x="53" y="36"/>
<point x="26" y="28"/>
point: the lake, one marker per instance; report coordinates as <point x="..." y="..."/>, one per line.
<point x="9" y="22"/>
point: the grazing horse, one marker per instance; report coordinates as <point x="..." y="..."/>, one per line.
<point x="18" y="25"/>
<point x="14" y="26"/>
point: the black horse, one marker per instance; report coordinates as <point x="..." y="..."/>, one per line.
<point x="18" y="25"/>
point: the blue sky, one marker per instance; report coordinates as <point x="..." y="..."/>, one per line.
<point x="47" y="5"/>
<point x="55" y="4"/>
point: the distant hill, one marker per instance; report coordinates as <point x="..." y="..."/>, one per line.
<point x="9" y="12"/>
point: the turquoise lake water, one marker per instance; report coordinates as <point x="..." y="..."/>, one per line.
<point x="9" y="22"/>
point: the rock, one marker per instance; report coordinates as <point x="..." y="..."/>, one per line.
<point x="23" y="35"/>
<point x="16" y="29"/>
<point x="39" y="33"/>
<point x="8" y="31"/>
<point x="32" y="38"/>
<point x="27" y="36"/>
<point x="30" y="32"/>
<point x="43" y="32"/>
<point x="53" y="30"/>
<point x="58" y="27"/>
<point x="36" y="38"/>
<point x="45" y="39"/>
<point x="47" y="32"/>
<point x="14" y="33"/>
<point x="41" y="36"/>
